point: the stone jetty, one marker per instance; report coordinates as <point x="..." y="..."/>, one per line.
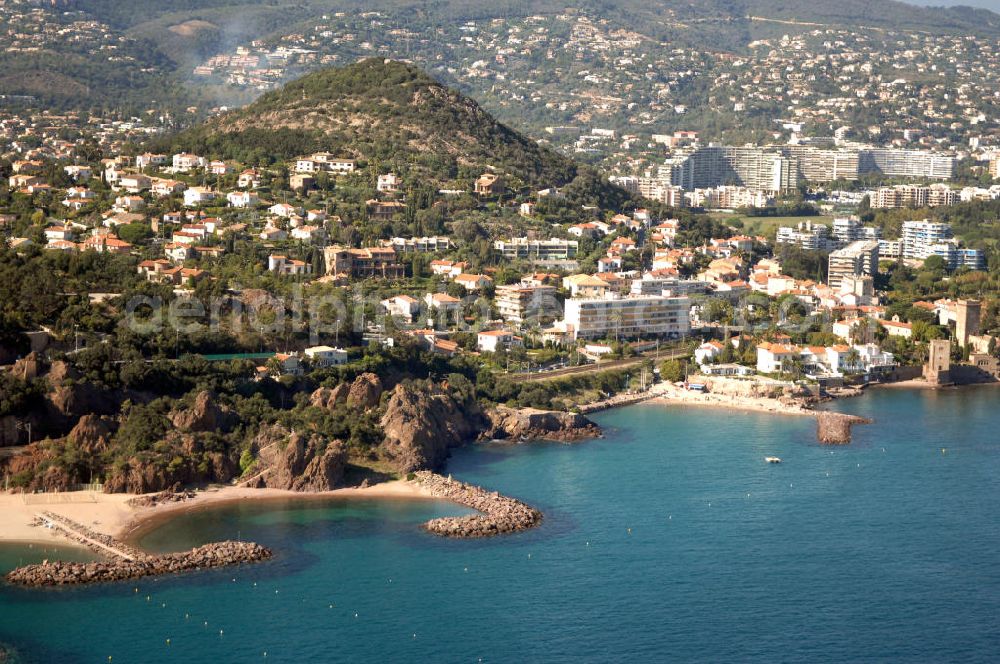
<point x="500" y="514"/>
<point x="124" y="561"/>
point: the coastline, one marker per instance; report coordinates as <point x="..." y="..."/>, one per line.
<point x="110" y="514"/>
<point x="921" y="384"/>
<point x="669" y="394"/>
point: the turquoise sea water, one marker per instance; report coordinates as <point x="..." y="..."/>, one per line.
<point x="668" y="540"/>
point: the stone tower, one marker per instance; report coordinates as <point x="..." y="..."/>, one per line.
<point x="967" y="316"/>
<point x="938" y="367"/>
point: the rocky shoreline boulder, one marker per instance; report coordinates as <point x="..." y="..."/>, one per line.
<point x="329" y="398"/>
<point x="295" y="462"/>
<point x="205" y="414"/>
<point x="365" y="392"/>
<point x="421" y="424"/>
<point x="530" y="423"/>
<point x="93" y="433"/>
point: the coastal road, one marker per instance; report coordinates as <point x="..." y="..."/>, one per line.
<point x="600" y="366"/>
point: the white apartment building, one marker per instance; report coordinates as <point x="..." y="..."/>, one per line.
<point x="551" y="249"/>
<point x="918" y="236"/>
<point x="915" y="196"/>
<point x="907" y="163"/>
<point x="807" y="235"/>
<point x="324" y="162"/>
<point x="429" y="244"/>
<point x="628" y="317"/>
<point x="847" y="230"/>
<point x="517" y="303"/>
<point x="857" y="259"/>
<point x="760" y="169"/>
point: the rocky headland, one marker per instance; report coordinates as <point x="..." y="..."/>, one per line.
<point x="531" y="423"/>
<point x="500" y="514"/>
<point x="423" y="423"/>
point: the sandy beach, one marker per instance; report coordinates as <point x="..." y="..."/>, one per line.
<point x="111" y="514"/>
<point x="668" y="393"/>
<point x="675" y="395"/>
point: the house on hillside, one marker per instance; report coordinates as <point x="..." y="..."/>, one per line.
<point x="489" y="184"/>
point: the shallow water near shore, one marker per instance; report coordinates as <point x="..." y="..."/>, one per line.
<point x="668" y="540"/>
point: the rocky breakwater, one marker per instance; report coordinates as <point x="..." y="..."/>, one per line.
<point x="835" y="428"/>
<point x="500" y="514"/>
<point x="218" y="554"/>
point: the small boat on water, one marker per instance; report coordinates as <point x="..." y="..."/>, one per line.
<point x="772" y="459"/>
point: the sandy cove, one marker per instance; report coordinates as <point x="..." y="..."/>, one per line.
<point x="668" y="393"/>
<point x="111" y="514"/>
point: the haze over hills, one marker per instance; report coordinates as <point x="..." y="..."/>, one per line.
<point x="159" y="43"/>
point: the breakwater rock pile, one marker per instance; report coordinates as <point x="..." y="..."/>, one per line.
<point x="835" y="428"/>
<point x="218" y="554"/>
<point x="500" y="514"/>
<point x="126" y="562"/>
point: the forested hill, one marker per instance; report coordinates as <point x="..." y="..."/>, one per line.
<point x="378" y="110"/>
